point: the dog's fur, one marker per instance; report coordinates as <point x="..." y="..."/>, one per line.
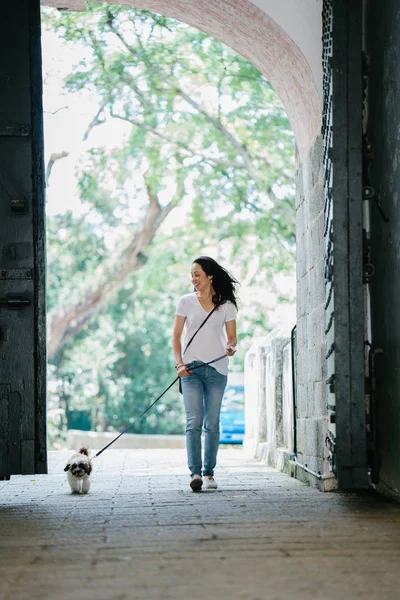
<point x="78" y="469"/>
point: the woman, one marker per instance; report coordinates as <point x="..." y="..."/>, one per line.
<point x="203" y="387"/>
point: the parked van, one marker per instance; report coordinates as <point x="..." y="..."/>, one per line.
<point x="232" y="411"/>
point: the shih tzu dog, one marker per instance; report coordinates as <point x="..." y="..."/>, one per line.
<point x="78" y="469"/>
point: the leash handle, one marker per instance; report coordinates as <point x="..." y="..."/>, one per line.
<point x="152" y="404"/>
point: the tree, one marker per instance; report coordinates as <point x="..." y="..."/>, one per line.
<point x="201" y="123"/>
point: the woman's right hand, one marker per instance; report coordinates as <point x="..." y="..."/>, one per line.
<point x="183" y="371"/>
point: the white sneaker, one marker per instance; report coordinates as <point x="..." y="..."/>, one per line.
<point x="209" y="482"/>
<point x="196" y="482"/>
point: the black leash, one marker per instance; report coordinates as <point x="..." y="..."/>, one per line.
<point x="153" y="403"/>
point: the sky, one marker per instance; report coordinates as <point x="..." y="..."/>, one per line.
<point x="66" y="118"/>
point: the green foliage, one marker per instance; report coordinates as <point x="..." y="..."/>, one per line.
<point x="207" y="133"/>
<point x="74" y="246"/>
<point x="192" y="104"/>
<point x="121" y="365"/>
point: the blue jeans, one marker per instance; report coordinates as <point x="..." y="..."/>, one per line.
<point x="202" y="396"/>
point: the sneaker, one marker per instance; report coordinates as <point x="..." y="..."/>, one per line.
<point x="196" y="482"/>
<point x="209" y="482"/>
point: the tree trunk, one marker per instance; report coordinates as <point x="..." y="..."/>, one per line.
<point x="109" y="276"/>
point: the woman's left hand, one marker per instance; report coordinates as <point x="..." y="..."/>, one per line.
<point x="230" y="350"/>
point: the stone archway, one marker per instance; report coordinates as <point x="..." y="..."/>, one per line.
<point x="255" y="35"/>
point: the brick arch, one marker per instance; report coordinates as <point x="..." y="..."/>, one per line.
<point x="259" y="39"/>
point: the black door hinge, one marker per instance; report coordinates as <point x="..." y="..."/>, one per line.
<point x="14" y="302"/>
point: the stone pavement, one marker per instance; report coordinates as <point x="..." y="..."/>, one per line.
<point x="141" y="533"/>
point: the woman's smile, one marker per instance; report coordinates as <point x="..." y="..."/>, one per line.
<point x="200" y="280"/>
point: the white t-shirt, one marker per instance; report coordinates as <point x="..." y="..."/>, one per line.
<point x="210" y="341"/>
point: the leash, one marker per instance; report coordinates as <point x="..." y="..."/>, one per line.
<point x="152" y="404"/>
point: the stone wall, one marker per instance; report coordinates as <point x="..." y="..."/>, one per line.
<point x="269" y="399"/>
<point x="287" y="440"/>
<point x="255" y="406"/>
<point x="95" y="440"/>
<point x="311" y="350"/>
<point x="268" y="370"/>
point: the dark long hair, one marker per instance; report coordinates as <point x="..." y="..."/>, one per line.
<point x="223" y="283"/>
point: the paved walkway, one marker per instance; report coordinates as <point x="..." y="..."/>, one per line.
<point x="143" y="534"/>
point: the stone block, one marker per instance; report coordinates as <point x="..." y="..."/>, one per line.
<point x="287" y="399"/>
<point x="317" y="245"/>
<point x="312" y="165"/>
<point x="310" y="330"/>
<point x="304" y="294"/>
<point x="318" y="328"/>
<point x="314" y="463"/>
<point x="321" y="449"/>
<point x="319" y="290"/>
<point x="299" y="187"/>
<point x="300" y="329"/>
<point x="323" y="361"/>
<point x="305" y="436"/>
<point x="301" y="361"/>
<point x="316" y="198"/>
<point x="317" y="368"/>
<point x="301" y="292"/>
<point x="301" y="221"/>
<point x="301" y="401"/>
<point x="310" y="438"/>
<point x="311" y="366"/>
<point x="319" y="391"/>
<point x="316" y="154"/>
